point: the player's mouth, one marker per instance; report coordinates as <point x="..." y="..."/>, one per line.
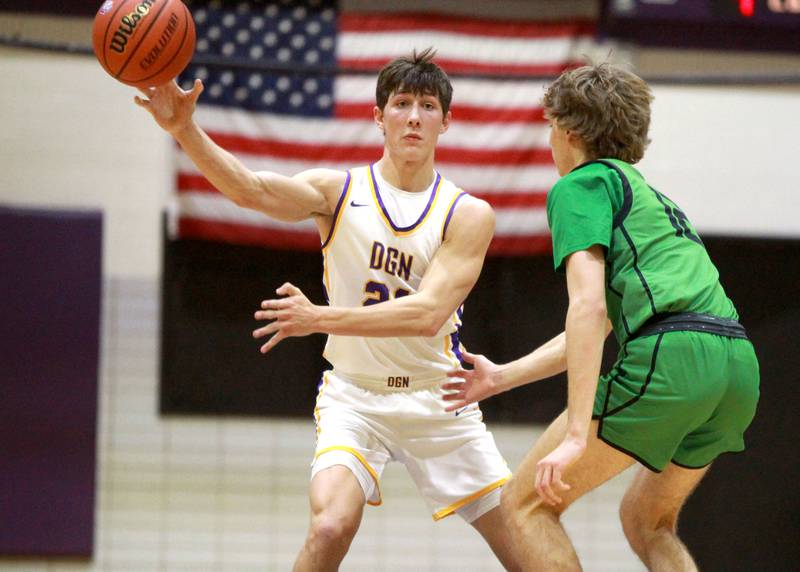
<point x="412" y="137"/>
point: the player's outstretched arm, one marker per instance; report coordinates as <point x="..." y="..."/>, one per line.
<point x="450" y="277"/>
<point x="311" y="193"/>
<point x="487" y="378"/>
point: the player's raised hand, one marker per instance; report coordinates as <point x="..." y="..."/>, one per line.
<point x="293" y="316"/>
<point x="171" y="106"/>
<point x="471" y="385"/>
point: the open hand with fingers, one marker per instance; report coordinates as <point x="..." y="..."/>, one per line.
<point x="292" y="316"/>
<point x="549" y="471"/>
<point x="171" y="106"/>
<point x="472" y="385"/>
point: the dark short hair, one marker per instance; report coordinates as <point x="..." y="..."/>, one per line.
<point x="606" y="106"/>
<point x="415" y="74"/>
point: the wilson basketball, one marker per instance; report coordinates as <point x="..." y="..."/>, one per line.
<point x="143" y="43"/>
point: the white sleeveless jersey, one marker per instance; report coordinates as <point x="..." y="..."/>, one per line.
<point x="379" y="248"/>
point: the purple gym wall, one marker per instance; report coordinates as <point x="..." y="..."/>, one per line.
<point x="50" y="293"/>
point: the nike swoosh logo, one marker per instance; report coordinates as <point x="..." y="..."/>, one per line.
<point x="355" y="204"/>
<point x="462" y="410"/>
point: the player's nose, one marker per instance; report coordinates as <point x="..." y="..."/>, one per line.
<point x="413" y="114"/>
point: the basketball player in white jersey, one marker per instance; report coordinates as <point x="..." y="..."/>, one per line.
<point x="402" y="248"/>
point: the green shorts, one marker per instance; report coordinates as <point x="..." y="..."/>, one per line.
<point x="683" y="397"/>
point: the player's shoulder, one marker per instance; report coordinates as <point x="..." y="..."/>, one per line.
<point x="329" y="182"/>
<point x="471" y="214"/>
<point x="592" y="171"/>
<point x="323" y="178"/>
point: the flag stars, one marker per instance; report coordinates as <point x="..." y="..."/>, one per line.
<point x="269" y="97"/>
<point x="298" y="41"/>
<point x="243" y="36"/>
<point x="324" y="101"/>
<point x="313" y="27"/>
<point x="285" y="26"/>
<point x="215" y="91"/>
<point x="255" y="81"/>
<point x="287" y="33"/>
<point x="229" y="20"/>
<point x="241" y="94"/>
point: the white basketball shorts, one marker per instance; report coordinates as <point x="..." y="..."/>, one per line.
<point x="451" y="457"/>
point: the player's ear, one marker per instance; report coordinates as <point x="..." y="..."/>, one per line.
<point x="377" y="114"/>
<point x="446" y="121"/>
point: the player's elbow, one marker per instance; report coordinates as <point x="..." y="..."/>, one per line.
<point x="589" y="307"/>
<point x="431" y="323"/>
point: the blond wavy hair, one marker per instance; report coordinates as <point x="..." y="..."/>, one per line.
<point x="606" y="106"/>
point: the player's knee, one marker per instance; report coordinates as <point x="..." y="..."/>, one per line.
<point x="332" y="529"/>
<point x="520" y="501"/>
<point x="641" y="524"/>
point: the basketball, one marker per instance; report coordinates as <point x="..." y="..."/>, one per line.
<point x="143" y="43"/>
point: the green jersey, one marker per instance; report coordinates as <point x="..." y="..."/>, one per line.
<point x="655" y="261"/>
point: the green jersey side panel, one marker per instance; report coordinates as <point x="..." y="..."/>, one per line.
<point x="655" y="260"/>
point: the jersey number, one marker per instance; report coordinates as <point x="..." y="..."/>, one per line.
<point x="377" y="292"/>
<point x="678" y="219"/>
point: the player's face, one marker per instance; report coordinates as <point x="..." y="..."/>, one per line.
<point x="412" y="123"/>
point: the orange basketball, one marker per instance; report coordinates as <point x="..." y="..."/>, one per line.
<point x="143" y="43"/>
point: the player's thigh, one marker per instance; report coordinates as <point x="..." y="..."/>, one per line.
<point x="655" y="499"/>
<point x="599" y="463"/>
<point x="335" y="492"/>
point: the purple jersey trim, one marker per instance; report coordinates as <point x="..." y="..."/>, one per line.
<point x="456" y="346"/>
<point x="450" y="213"/>
<point x="386" y="213"/>
<point x="337" y="209"/>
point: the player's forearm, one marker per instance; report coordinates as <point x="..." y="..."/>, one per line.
<point x="221" y="168"/>
<point x="547" y="360"/>
<point x="585" y="334"/>
<point x="408" y="316"/>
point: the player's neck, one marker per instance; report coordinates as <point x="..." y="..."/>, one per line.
<point x="411" y="176"/>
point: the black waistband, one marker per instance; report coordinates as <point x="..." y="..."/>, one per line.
<point x="691" y="322"/>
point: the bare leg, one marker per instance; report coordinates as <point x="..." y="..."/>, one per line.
<point x="337" y="504"/>
<point x="649" y="514"/>
<point x="493" y="528"/>
<point x="536" y="532"/>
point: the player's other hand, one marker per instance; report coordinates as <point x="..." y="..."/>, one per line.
<point x="471" y="385"/>
<point x="549" y="471"/>
<point x="171" y="106"/>
<point x="292" y="316"/>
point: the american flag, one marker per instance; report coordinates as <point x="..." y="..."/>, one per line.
<point x="312" y="107"/>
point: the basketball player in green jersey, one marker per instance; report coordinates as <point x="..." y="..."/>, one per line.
<point x="685" y="386"/>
